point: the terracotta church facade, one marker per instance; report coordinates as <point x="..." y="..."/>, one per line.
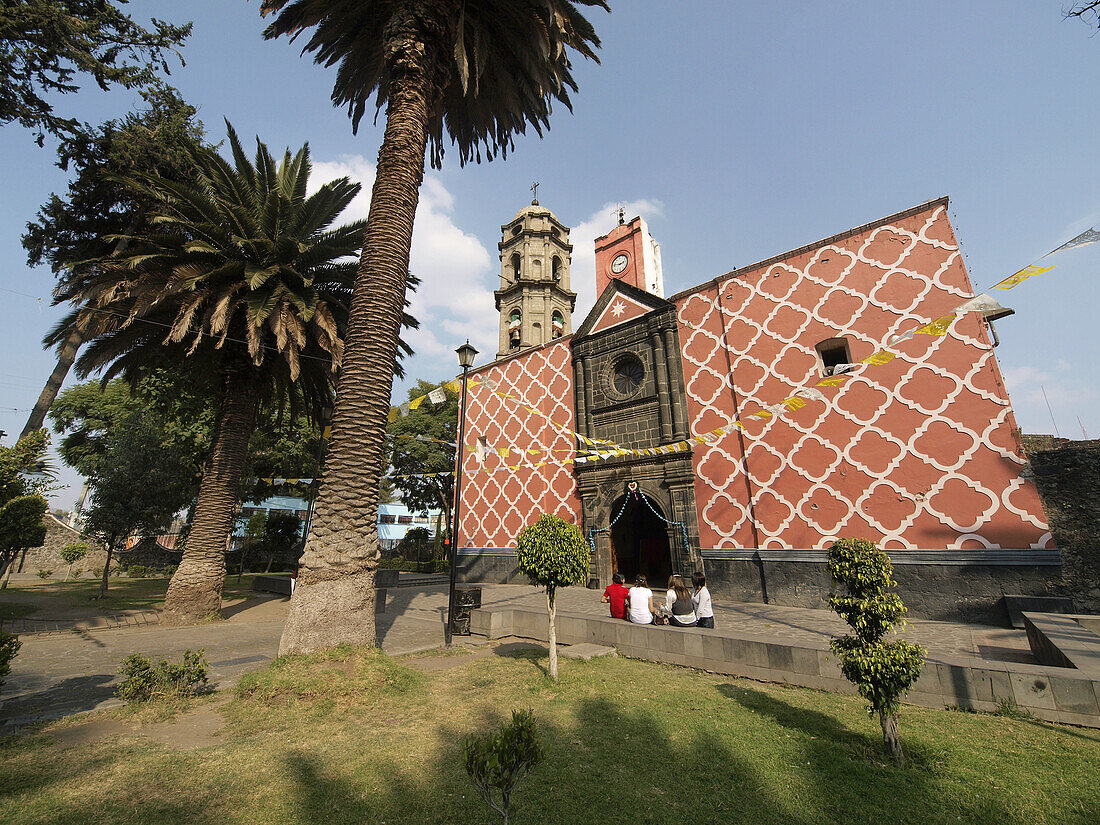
<point x="622" y="424"/>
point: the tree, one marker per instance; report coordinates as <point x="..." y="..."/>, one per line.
<point x="411" y="455"/>
<point x="1089" y="11"/>
<point x="72" y="553"/>
<point x="552" y="553"/>
<point x="253" y="535"/>
<point x="243" y="280"/>
<point x="281" y="533"/>
<point x="45" y="44"/>
<point x="71" y="231"/>
<point x="497" y="762"/>
<point x="882" y="671"/>
<point x="22" y="503"/>
<point x="485" y="71"/>
<point x="140" y="485"/>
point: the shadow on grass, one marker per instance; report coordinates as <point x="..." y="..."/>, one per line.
<point x="528" y="651"/>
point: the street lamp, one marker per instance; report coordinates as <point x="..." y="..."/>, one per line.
<point x="466" y="356"/>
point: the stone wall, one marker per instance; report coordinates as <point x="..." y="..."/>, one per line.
<point x="960" y="586"/>
<point x="1067" y="474"/>
<point x="48" y="556"/>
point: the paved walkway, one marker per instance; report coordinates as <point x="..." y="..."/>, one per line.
<point x="58" y="674"/>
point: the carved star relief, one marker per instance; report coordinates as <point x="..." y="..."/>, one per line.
<point x="618" y="308"/>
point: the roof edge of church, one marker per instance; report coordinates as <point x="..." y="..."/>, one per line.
<point x="897" y="216"/>
<point x="526" y="351"/>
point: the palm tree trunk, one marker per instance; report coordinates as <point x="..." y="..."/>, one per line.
<point x="195" y="592"/>
<point x="333" y="601"/>
<point x="53" y="385"/>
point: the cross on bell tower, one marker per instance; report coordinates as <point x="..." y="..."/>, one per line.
<point x="534" y="299"/>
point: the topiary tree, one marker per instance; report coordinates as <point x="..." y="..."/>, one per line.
<point x="882" y="671"/>
<point x="553" y="553"/>
<point x="72" y="553"/>
<point x="497" y="762"/>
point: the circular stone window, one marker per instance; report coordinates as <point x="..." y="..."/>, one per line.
<point x="627" y="375"/>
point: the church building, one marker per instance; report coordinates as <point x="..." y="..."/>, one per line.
<point x="845" y="388"/>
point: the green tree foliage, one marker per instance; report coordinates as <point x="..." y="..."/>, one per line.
<point x="416" y="545"/>
<point x="552" y="553"/>
<point x="22" y="503"/>
<point x="282" y="533"/>
<point x="252" y="283"/>
<point x="144" y="681"/>
<point x="882" y="671"/>
<point x="141" y="483"/>
<point x="72" y="553"/>
<point x="9" y="646"/>
<point x="46" y="44"/>
<point x="497" y="761"/>
<point x="412" y="454"/>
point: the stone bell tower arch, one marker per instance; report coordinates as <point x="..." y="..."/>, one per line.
<point x="534" y="299"/>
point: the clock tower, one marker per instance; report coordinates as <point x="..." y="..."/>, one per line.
<point x="628" y="253"/>
<point x="534" y="299"/>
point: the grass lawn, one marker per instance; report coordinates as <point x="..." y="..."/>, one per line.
<point x="358" y="738"/>
<point x="122" y="594"/>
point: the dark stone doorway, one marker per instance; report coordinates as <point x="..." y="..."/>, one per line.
<point x="639" y="542"/>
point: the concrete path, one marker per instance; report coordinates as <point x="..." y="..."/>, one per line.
<point x="59" y="674"/>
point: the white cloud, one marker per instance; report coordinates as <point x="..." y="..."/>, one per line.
<point x="454" y="300"/>
<point x="1072" y="398"/>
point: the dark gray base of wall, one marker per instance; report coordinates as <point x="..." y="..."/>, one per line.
<point x="958" y="586"/>
<point x="948" y="585"/>
<point x="488" y="567"/>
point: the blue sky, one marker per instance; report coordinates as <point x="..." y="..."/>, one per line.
<point x="737" y="130"/>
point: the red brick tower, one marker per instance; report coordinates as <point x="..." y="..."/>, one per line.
<point x="628" y="253"/>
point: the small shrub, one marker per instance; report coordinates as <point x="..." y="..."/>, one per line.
<point x="137" y="571"/>
<point x="553" y="553"/>
<point x="170" y="570"/>
<point x="9" y="646"/>
<point x="72" y="553"/>
<point x="97" y="572"/>
<point x="44" y="573"/>
<point x="144" y="680"/>
<point x="497" y="761"/>
<point x="881" y="671"/>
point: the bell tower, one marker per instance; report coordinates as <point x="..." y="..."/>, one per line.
<point x="534" y="299"/>
<point x="628" y="253"/>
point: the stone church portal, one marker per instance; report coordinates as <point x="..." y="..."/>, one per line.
<point x="640" y="541"/>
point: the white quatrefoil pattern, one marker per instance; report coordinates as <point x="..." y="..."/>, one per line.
<point x="919" y="453"/>
<point x="514" y="492"/>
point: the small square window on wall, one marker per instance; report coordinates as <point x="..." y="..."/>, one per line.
<point x="831" y="353"/>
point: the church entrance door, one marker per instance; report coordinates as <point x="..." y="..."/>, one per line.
<point x="639" y="541"/>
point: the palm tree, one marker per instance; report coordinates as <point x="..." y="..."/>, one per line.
<point x="485" y="70"/>
<point x="239" y="277"/>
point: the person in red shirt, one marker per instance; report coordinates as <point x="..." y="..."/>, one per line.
<point x="615" y="595"/>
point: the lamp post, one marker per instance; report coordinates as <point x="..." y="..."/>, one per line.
<point x="466" y="356"/>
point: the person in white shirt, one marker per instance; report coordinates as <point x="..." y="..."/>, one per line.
<point x="704" y="610"/>
<point x="639" y="602"/>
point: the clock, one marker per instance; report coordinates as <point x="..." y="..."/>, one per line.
<point x="619" y="262"/>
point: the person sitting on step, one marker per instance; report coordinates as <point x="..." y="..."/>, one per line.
<point x="615" y="595"/>
<point x="704" y="610"/>
<point x="639" y="602"/>
<point x="678" y="604"/>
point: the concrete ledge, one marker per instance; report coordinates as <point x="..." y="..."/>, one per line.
<point x="1061" y="641"/>
<point x="1050" y="693"/>
<point x="1016" y="605"/>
